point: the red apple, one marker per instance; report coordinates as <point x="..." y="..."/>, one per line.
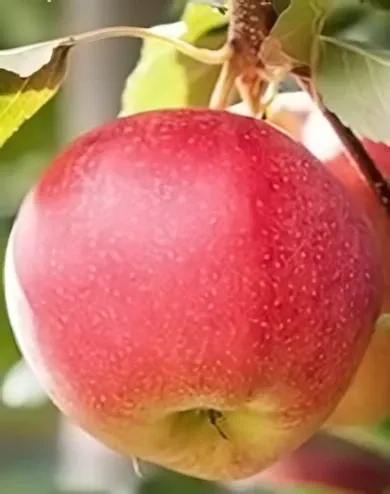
<point x="328" y="463"/>
<point x="368" y="398"/>
<point x="318" y="136"/>
<point x="193" y="288"/>
<point x="297" y="114"/>
<point x="354" y="181"/>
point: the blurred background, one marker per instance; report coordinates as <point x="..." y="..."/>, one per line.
<point x="40" y="453"/>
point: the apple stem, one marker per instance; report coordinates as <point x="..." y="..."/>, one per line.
<point x="250" y="23"/>
<point x="354" y="149"/>
<point x="214" y="417"/>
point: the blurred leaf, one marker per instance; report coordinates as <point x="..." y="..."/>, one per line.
<point x="297" y="27"/>
<point x="315" y="490"/>
<point x="177" y="6"/>
<point x="165" y="78"/>
<point x="167" y="482"/>
<point x="34" y="23"/>
<point x="31" y="75"/>
<point x="384" y="427"/>
<point x="16" y="424"/>
<point x="25" y="156"/>
<point x="353" y="70"/>
<point x="28" y="79"/>
<point x="384" y="4"/>
<point x="8" y="350"/>
<point x="21" y="389"/>
<point x="27" y="60"/>
<point x="280" y="5"/>
<point x="372" y="439"/>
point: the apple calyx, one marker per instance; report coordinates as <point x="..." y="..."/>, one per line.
<point x="215" y="417"/>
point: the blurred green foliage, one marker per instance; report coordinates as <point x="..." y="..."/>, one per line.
<point x="165" y="78"/>
<point x="26" y="154"/>
<point x="24" y="22"/>
<point x="21" y="161"/>
<point x="9" y="353"/>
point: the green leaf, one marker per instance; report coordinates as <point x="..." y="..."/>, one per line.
<point x="280" y="5"/>
<point x="34" y="23"/>
<point x="31" y="75"/>
<point x="168" y="482"/>
<point x="201" y="20"/>
<point x="29" y="78"/>
<point x="9" y="352"/>
<point x="383" y="4"/>
<point x="304" y="489"/>
<point x="375" y="439"/>
<point x="164" y="78"/>
<point x="298" y="26"/>
<point x="352" y="73"/>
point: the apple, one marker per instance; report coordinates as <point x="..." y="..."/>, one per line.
<point x="354" y="181"/>
<point x="328" y="463"/>
<point x="368" y="398"/>
<point x="193" y="288"/>
<point x="296" y="114"/>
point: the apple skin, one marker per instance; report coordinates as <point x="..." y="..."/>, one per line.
<point x="354" y="181"/>
<point x="179" y="262"/>
<point x="297" y="115"/>
<point x="368" y="398"/>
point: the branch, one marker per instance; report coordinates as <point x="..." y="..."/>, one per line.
<point x="250" y="23"/>
<point x="210" y="57"/>
<point x="354" y="149"/>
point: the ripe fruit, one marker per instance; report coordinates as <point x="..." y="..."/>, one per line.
<point x="354" y="181"/>
<point x="326" y="464"/>
<point x="296" y="114"/>
<point x="368" y="398"/>
<point x="193" y="288"/>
